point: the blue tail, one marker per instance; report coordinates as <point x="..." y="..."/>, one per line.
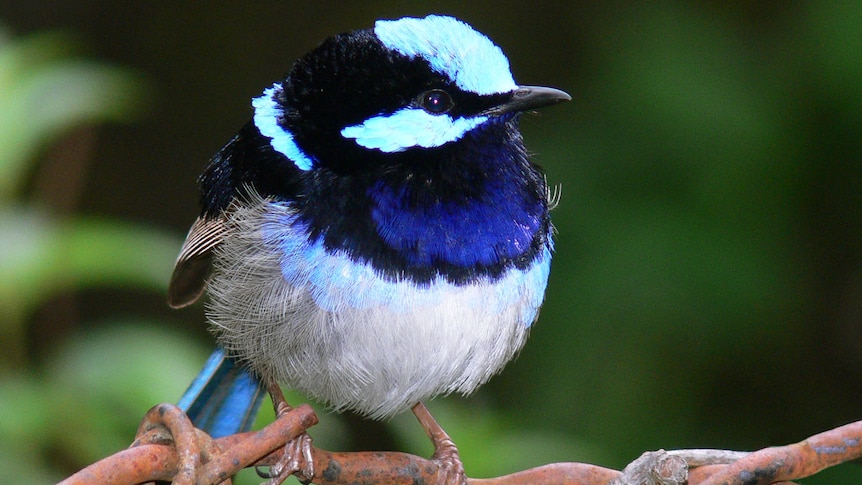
<point x="224" y="398"/>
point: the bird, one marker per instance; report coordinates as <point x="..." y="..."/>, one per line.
<point x="375" y="236"/>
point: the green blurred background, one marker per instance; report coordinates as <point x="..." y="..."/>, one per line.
<point x="707" y="286"/>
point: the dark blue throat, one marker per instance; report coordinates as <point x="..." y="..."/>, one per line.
<point x="467" y="210"/>
<point x="497" y="227"/>
<point x="474" y="215"/>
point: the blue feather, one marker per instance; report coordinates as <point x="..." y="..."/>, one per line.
<point x="267" y="114"/>
<point x="453" y="49"/>
<point x="502" y="226"/>
<point x="224" y="397"/>
<point x="336" y="282"/>
<point x="408" y="128"/>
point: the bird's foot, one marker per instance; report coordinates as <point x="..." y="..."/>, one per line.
<point x="297" y="460"/>
<point x="450" y="467"/>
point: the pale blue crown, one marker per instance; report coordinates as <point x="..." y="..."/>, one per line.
<point x="453" y="49"/>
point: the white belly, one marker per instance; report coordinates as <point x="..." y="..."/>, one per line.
<point x="338" y="332"/>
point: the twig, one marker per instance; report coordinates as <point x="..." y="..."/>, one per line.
<point x="190" y="455"/>
<point x="168" y="447"/>
<point x="792" y="462"/>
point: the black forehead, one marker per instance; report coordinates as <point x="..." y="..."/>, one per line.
<point x="352" y="76"/>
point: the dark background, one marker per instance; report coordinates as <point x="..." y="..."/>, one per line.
<point x="706" y="287"/>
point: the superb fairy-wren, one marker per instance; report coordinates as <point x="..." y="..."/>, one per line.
<point x="377" y="234"/>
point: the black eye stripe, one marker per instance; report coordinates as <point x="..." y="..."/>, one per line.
<point x="436" y="101"/>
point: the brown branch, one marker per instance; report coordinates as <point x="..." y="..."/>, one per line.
<point x="792" y="462"/>
<point x="167" y="447"/>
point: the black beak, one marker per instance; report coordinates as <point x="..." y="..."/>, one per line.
<point x="529" y="97"/>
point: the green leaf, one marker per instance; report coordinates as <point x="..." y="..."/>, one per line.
<point x="44" y="92"/>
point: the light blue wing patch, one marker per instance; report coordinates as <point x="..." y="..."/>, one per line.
<point x="453" y="49"/>
<point x="266" y="115"/>
<point x="410" y="127"/>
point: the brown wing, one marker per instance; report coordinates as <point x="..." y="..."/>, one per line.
<point x="193" y="266"/>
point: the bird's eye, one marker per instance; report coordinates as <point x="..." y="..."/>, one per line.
<point x="436" y="101"/>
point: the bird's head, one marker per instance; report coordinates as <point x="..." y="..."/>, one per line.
<point x="375" y="97"/>
<point x="398" y="145"/>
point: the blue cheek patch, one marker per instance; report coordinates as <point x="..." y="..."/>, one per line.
<point x="453" y="49"/>
<point x="266" y="115"/>
<point x="410" y="127"/>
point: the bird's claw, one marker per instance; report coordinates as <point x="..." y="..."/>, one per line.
<point x="450" y="466"/>
<point x="297" y="460"/>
